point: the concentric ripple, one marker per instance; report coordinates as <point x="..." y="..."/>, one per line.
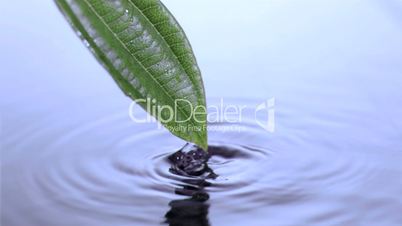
<point x="113" y="172"/>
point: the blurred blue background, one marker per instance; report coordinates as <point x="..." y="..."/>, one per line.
<point x="264" y="44"/>
<point x="291" y="50"/>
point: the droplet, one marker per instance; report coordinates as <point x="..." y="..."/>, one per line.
<point x="86" y="43"/>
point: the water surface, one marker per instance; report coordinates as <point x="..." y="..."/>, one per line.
<point x="109" y="171"/>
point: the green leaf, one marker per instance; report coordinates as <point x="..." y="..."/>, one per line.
<point x="148" y="55"/>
